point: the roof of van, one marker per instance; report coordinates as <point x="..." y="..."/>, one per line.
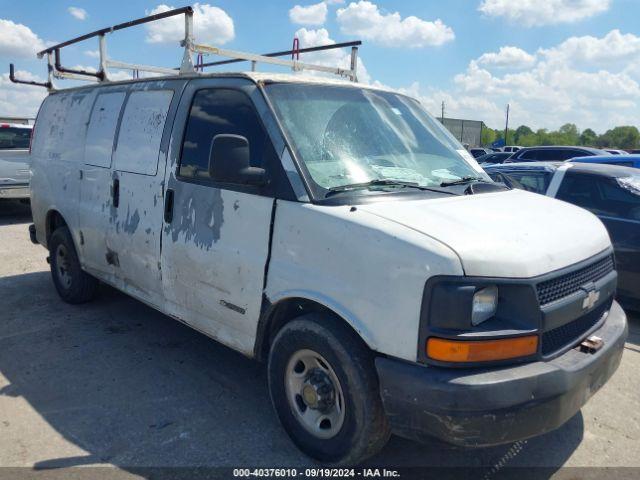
<point x="257" y="77"/>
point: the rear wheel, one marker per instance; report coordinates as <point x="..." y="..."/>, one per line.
<point x="325" y="391"/>
<point x="71" y="282"/>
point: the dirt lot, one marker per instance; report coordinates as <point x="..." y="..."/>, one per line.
<point x="116" y="383"/>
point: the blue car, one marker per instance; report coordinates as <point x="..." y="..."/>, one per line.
<point x="622" y="160"/>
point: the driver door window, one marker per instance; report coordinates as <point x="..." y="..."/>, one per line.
<point x="214" y="112"/>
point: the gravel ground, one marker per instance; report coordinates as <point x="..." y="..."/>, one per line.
<point x="117" y="383"/>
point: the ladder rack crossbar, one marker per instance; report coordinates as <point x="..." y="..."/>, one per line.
<point x="294" y="64"/>
<point x="284" y="53"/>
<point x="143" y="68"/>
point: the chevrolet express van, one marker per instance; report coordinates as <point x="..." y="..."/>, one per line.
<point x="340" y="234"/>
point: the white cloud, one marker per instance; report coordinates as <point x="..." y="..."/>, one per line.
<point x="92" y="53"/>
<point x="333" y="58"/>
<point x="211" y="25"/>
<point x="364" y="19"/>
<point x="568" y="83"/>
<point x="315" y="14"/>
<point x="615" y="48"/>
<point x="20" y="100"/>
<point x="78" y="13"/>
<point x="507" y="57"/>
<point x="532" y="13"/>
<point x="17" y="40"/>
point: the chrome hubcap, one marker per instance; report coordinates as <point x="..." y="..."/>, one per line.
<point x="315" y="394"/>
<point x="63" y="266"/>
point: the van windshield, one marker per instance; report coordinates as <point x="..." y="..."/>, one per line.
<point x="346" y="136"/>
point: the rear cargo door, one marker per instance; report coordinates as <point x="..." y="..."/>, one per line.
<point x="96" y="209"/>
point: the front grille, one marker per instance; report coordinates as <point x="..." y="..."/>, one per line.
<point x="564" y="285"/>
<point x="572" y="332"/>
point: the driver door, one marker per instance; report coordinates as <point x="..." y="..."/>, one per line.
<point x="215" y="240"/>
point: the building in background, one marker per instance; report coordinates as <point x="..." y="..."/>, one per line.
<point x="468" y="132"/>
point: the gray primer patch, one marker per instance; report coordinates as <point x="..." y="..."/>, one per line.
<point x="131" y="223"/>
<point x="198" y="214"/>
<point x="112" y="258"/>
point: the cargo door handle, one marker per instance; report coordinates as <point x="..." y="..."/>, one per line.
<point x="115" y="192"/>
<point x="168" y="206"/>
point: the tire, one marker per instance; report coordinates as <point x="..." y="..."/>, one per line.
<point x="348" y="425"/>
<point x="72" y="283"/>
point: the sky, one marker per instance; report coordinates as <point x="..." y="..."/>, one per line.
<point x="553" y="61"/>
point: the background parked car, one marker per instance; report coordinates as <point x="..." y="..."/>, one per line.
<point x="553" y="154"/>
<point x="627" y="160"/>
<point x="609" y="191"/>
<point x="511" y="149"/>
<point x="494" y="158"/>
<point x="14" y="160"/>
<point x="478" y="151"/>
<point x="614" y="151"/>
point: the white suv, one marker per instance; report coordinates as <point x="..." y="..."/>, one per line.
<point x="341" y="234"/>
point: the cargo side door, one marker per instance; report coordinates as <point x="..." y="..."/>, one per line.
<point x="139" y="159"/>
<point x="215" y="243"/>
<point x="95" y="209"/>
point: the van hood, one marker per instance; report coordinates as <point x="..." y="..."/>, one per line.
<point x="512" y="234"/>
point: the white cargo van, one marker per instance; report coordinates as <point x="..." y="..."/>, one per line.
<point x="341" y="234"/>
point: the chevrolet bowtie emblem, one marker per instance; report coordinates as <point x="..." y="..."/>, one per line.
<point x="592" y="297"/>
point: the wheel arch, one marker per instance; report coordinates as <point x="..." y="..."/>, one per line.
<point x="53" y="220"/>
<point x="278" y="311"/>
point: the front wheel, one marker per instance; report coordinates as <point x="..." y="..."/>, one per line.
<point x="325" y="391"/>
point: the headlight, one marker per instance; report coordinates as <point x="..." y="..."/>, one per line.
<point x="485" y="304"/>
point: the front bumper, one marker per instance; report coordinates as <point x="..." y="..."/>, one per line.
<point x="14" y="191"/>
<point x="483" y="407"/>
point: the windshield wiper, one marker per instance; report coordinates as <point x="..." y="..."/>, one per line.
<point x="462" y="181"/>
<point x="373" y="183"/>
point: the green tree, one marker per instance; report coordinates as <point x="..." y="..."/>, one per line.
<point x="568" y="134"/>
<point x="588" y="138"/>
<point x="521" y="132"/>
<point x="488" y="136"/>
<point x="627" y="137"/>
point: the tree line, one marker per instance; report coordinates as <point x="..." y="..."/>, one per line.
<point x="625" y="137"/>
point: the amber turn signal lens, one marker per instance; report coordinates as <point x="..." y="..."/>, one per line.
<point x="459" y="351"/>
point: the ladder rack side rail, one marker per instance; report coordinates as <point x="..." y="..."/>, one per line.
<point x="120" y="26"/>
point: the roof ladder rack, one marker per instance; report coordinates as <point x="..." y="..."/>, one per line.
<point x="58" y="71"/>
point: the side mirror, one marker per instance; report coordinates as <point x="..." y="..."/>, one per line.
<point x="229" y="161"/>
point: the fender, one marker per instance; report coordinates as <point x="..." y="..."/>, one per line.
<point x="356" y="323"/>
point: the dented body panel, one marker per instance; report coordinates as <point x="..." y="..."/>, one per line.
<point x="359" y="266"/>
